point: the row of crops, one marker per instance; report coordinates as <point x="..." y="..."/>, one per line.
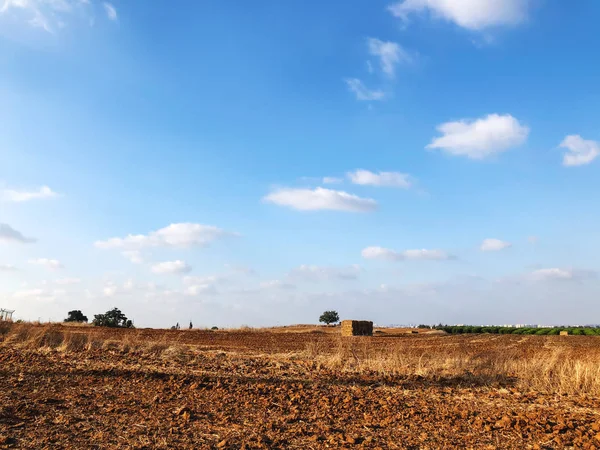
<point x="576" y="331"/>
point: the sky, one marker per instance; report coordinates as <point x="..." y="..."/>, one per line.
<point x="258" y="163"/>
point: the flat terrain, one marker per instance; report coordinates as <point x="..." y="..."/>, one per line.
<point x="295" y="388"/>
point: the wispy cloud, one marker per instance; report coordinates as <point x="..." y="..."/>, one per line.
<point x="52" y="264"/>
<point x="362" y="92"/>
<point x="9" y="234"/>
<point x="556" y="273"/>
<point x="171" y="267"/>
<point x="390" y="54"/>
<point x="579" y="151"/>
<point x="110" y="10"/>
<point x="320" y="199"/>
<point x="389" y="179"/>
<point x="321" y="273"/>
<point x="181" y="235"/>
<point x="135" y="256"/>
<point x="393" y="255"/>
<point x="12" y="195"/>
<point x="47" y="15"/>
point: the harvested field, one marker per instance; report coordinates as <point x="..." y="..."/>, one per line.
<point x="81" y="387"/>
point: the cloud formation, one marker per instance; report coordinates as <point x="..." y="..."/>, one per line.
<point x="473" y="15"/>
<point x="51" y="264"/>
<point x="52" y="15"/>
<point x="480" y="138"/>
<point x="319" y="199"/>
<point x="556" y="273"/>
<point x="362" y="92"/>
<point x="135" y="256"/>
<point x="579" y="151"/>
<point x="390" y="54"/>
<point x="393" y="255"/>
<point x="389" y="179"/>
<point x="171" y="267"/>
<point x="321" y="273"/>
<point x="494" y="245"/>
<point x="110" y="10"/>
<point x="181" y="235"/>
<point x="9" y="235"/>
<point x="10" y="195"/>
<point x="67" y="281"/>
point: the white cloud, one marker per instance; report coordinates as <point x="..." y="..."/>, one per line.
<point x="478" y="139"/>
<point x="392" y="255"/>
<point x="200" y="289"/>
<point x="109" y="291"/>
<point x="391" y="179"/>
<point x="533" y="239"/>
<point x="67" y="281"/>
<point x="110" y="10"/>
<point x="134" y="256"/>
<point x="390" y="54"/>
<point x="7" y="268"/>
<point x="579" y="151"/>
<point x="9" y="234"/>
<point x="320" y="273"/>
<point x="362" y="92"/>
<point x="52" y="264"/>
<point x="494" y="245"/>
<point x="470" y="14"/>
<point x="10" y="195"/>
<point x="332" y="180"/>
<point x="166" y="267"/>
<point x="556" y="273"/>
<point x="320" y="199"/>
<point x="39" y="294"/>
<point x="182" y="235"/>
<point x="276" y="284"/>
<point x="47" y="15"/>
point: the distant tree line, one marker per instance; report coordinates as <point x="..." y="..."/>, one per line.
<point x="467" y="329"/>
<point x="112" y="319"/>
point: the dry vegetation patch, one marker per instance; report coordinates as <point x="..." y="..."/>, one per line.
<point x="83" y="387"/>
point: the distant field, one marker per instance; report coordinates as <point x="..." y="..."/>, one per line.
<point x="540" y="331"/>
<point x="296" y="387"/>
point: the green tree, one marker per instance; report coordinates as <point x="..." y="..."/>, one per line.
<point x="76" y="316"/>
<point x="329" y="317"/>
<point x="113" y="319"/>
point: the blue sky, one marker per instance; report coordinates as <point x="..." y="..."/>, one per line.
<point x="257" y="163"/>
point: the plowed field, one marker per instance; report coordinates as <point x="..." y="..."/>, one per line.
<point x="89" y="388"/>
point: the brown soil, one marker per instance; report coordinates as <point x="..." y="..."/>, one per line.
<point x="267" y="389"/>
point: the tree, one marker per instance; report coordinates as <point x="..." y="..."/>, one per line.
<point x="76" y="316"/>
<point x="329" y="317"/>
<point x="113" y="319"/>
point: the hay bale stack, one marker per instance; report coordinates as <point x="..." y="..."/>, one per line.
<point x="564" y="333"/>
<point x="357" y="328"/>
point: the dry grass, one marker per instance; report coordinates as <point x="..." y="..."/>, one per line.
<point x="559" y="369"/>
<point x="547" y="364"/>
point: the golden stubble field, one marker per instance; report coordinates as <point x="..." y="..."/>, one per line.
<point x="295" y="388"/>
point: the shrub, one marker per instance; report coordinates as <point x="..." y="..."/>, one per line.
<point x="76" y="316"/>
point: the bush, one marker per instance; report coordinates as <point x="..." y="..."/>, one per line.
<point x="76" y="316"/>
<point x="112" y="319"/>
